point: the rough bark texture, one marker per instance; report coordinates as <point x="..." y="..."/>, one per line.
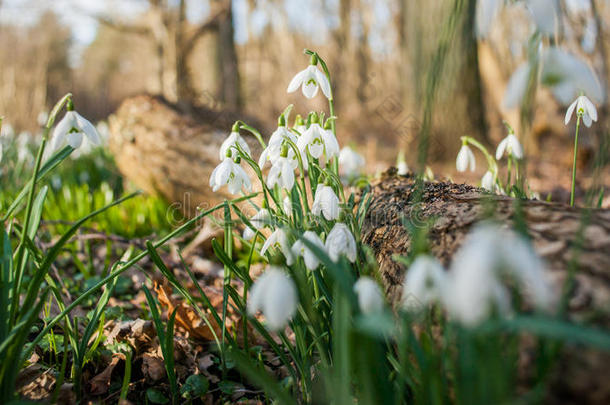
<point x="554" y="228"/>
<point x="170" y="153"/>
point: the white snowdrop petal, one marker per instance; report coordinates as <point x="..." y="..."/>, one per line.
<point x="323" y="82"/>
<point x="75" y="139"/>
<point x="570" y="111"/>
<point x="501" y="148"/>
<point x="296" y="81"/>
<point x="309" y="89"/>
<point x="88" y="129"/>
<point x="370" y="297"/>
<point x="517" y="86"/>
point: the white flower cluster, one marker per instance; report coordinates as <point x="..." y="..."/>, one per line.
<point x="474" y="288"/>
<point x="293" y="154"/>
<point x="510" y="146"/>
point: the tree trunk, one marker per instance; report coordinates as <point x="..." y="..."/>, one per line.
<point x="555" y="230"/>
<point x="169" y="152"/>
<point x="229" y="91"/>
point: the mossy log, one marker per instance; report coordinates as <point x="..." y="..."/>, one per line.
<point x="563" y="236"/>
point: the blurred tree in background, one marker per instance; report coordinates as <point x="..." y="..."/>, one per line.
<point x="233" y="54"/>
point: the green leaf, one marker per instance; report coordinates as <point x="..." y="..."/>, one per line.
<point x="155" y="396"/>
<point x="49" y="165"/>
<point x="195" y="386"/>
<point x="6" y="265"/>
<point x="260" y="377"/>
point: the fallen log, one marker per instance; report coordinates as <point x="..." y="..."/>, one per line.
<point x="172" y="152"/>
<point x="560" y="235"/>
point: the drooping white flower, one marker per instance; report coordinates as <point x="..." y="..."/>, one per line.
<point x="487" y="182"/>
<point x="229" y="146"/>
<point x="310" y="79"/>
<point x="230" y="174"/>
<point x="403" y="168"/>
<point x="568" y="76"/>
<point x="300" y="249"/>
<point x="351" y="163"/>
<point x="340" y="241"/>
<point x="585" y="108"/>
<point x="287" y="206"/>
<point x="275" y="295"/>
<point x="511" y="145"/>
<point x="326" y="203"/>
<point x="280" y="134"/>
<point x="486" y="11"/>
<point x="424" y="283"/>
<point x="258" y="220"/>
<point x="71" y="128"/>
<point x="318" y="141"/>
<point x="279" y="239"/>
<point x="282" y="173"/>
<point x="517" y="86"/>
<point x="273" y="150"/>
<point x="545" y="14"/>
<point x="475" y="286"/>
<point x="370" y="297"/>
<point x="465" y="159"/>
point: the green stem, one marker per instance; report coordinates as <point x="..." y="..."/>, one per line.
<point x="20" y="255"/>
<point x="574" y="161"/>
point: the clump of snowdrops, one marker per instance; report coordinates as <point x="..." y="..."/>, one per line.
<point x="319" y="303"/>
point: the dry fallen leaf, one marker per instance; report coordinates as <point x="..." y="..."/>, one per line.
<point x="188" y="318"/>
<point x="99" y="384"/>
<point x="153" y="367"/>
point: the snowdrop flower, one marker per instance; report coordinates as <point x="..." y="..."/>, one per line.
<point x="568" y="76"/>
<point x="282" y="173"/>
<point x="511" y="145"/>
<point x="274" y="149"/>
<point x="258" y="220"/>
<point x="300" y="249"/>
<point x="281" y="133"/>
<point x="275" y="295"/>
<point x="424" y="283"/>
<point x="545" y="14"/>
<point x="351" y="162"/>
<point x="403" y="168"/>
<point x="72" y="126"/>
<point x="370" y="297"/>
<point x="475" y="288"/>
<point x="341" y="241"/>
<point x="517" y="86"/>
<point x="273" y="152"/>
<point x="287" y="206"/>
<point x="585" y="108"/>
<point x="465" y="159"/>
<point x="231" y="174"/>
<point x="229" y="144"/>
<point x="279" y="239"/>
<point x="326" y="203"/>
<point x="317" y="141"/>
<point x="487" y="182"/>
<point x="486" y="11"/>
<point x="310" y="79"/>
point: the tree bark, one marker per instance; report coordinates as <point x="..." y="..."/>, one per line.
<point x="561" y="235"/>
